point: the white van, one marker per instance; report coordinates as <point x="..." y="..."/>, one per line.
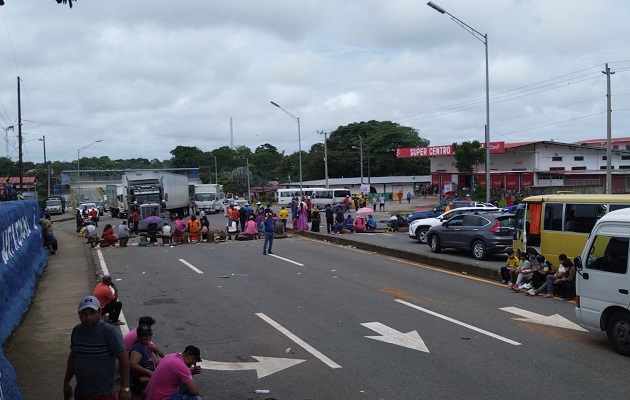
<point x="603" y="280"/>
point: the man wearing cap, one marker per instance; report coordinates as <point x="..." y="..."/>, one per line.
<point x="95" y="346"/>
<point x="108" y="300"/>
<point x="172" y="378"/>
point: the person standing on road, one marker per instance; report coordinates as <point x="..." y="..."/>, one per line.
<point x="135" y="219"/>
<point x="330" y="217"/>
<point x="79" y="220"/>
<point x="316" y="219"/>
<point x="408" y="197"/>
<point x="94" y="349"/>
<point x="108" y="301"/>
<point x="381" y="203"/>
<point x="172" y="378"/>
<point x="268" y="227"/>
<point x="400" y="195"/>
<point x="284" y="215"/>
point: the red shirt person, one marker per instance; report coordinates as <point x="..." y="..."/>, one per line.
<point x="108" y="300"/>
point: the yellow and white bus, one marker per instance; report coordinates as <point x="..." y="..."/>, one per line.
<point x="561" y="223"/>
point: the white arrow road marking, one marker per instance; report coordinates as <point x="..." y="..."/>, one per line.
<point x="389" y="335"/>
<point x="189" y="265"/>
<point x="553" y="320"/>
<point x="299" y="341"/>
<point x="264" y="366"/>
<point x="287" y="260"/>
<point x="465" y="325"/>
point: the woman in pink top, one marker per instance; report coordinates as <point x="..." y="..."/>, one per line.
<point x="250" y="226"/>
<point x="359" y="225"/>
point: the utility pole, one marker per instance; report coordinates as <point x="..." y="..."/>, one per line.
<point x="608" y="131"/>
<point x="325" y="155"/>
<point x="20" y="136"/>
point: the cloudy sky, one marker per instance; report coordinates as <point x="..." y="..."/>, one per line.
<point x="147" y="75"/>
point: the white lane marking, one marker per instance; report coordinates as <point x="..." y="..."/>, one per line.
<point x="263" y="366"/>
<point x="552" y="320"/>
<point x="410" y="340"/>
<point x="189" y="265"/>
<point x="299" y="341"/>
<point x="286" y="259"/>
<point x="474" y="328"/>
<point x="124" y="329"/>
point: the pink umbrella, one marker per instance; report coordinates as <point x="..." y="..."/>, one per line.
<point x="363" y="210"/>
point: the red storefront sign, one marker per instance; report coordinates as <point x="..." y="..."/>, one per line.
<point x="442" y="151"/>
<point x="527" y="180"/>
<point x="511" y="181"/>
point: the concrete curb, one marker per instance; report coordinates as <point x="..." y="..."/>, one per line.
<point x="449" y="265"/>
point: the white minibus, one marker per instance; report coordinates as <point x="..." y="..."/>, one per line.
<point x="603" y="280"/>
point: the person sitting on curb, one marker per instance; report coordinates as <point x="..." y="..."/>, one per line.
<point x="371" y="223"/>
<point x="349" y="223"/>
<point x="359" y="225"/>
<point x="50" y="241"/>
<point x="108" y="235"/>
<point x="108" y="301"/>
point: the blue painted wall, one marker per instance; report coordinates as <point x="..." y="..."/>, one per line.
<point x="22" y="260"/>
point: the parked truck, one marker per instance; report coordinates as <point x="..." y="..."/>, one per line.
<point x="208" y="198"/>
<point x="117" y="201"/>
<point x="156" y="192"/>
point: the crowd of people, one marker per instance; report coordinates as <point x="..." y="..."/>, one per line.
<point x="97" y="347"/>
<point x="531" y="273"/>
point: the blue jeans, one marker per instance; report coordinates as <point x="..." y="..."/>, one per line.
<point x="268" y="241"/>
<point x="180" y="395"/>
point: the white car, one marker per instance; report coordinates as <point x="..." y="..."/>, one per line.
<point x="418" y="229"/>
<point x="89" y="206"/>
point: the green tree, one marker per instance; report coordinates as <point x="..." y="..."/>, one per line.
<point x="380" y="141"/>
<point x="468" y="156"/>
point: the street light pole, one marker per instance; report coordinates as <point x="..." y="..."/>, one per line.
<point x="299" y="145"/>
<point x="6" y="138"/>
<point x="361" y="158"/>
<point x="43" y="139"/>
<point x="79" y="168"/>
<point x="484" y="39"/>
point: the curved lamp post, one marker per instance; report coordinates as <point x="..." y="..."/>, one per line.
<point x="79" y="168"/>
<point x="484" y="39"/>
<point x="299" y="144"/>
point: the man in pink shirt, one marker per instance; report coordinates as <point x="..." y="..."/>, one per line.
<point x="172" y="378"/>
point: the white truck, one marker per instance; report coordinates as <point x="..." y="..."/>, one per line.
<point x="117" y="201"/>
<point x="208" y="198"/>
<point x="603" y="280"/>
<point x="156" y="192"/>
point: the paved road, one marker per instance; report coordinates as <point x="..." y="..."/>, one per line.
<point x="325" y="307"/>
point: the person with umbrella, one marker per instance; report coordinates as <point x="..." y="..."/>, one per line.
<point x="152" y="227"/>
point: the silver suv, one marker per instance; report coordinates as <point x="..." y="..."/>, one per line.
<point x="482" y="233"/>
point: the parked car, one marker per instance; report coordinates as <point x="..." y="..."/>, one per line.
<point x="439" y="209"/>
<point x="89" y="206"/>
<point x="54" y="206"/>
<point x="482" y="233"/>
<point x="419" y="228"/>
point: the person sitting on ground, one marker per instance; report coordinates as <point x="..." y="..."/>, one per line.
<point x="108" y="301"/>
<point x="123" y="234"/>
<point x="131" y="336"/>
<point x="166" y="234"/>
<point x="142" y="360"/>
<point x="511" y="265"/>
<point x="349" y="223"/>
<point x="50" y="241"/>
<point x="359" y="225"/>
<point x="522" y="273"/>
<point x="550" y="278"/>
<point x="544" y="268"/>
<point x="173" y="376"/>
<point x="393" y="223"/>
<point x="205" y="227"/>
<point x="194" y="229"/>
<point x="108" y="235"/>
<point x="250" y="226"/>
<point x="371" y="223"/>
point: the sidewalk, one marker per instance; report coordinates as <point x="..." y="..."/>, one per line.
<point x="39" y="347"/>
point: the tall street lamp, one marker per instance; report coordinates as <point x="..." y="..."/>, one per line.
<point x="43" y="139"/>
<point x="79" y="168"/>
<point x="484" y="39"/>
<point x="299" y="144"/>
<point x="6" y="138"/>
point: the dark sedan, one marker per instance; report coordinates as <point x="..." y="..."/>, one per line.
<point x="480" y="233"/>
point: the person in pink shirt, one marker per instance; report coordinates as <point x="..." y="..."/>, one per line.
<point x="250" y="226"/>
<point x="131" y="337"/>
<point x="172" y="378"/>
